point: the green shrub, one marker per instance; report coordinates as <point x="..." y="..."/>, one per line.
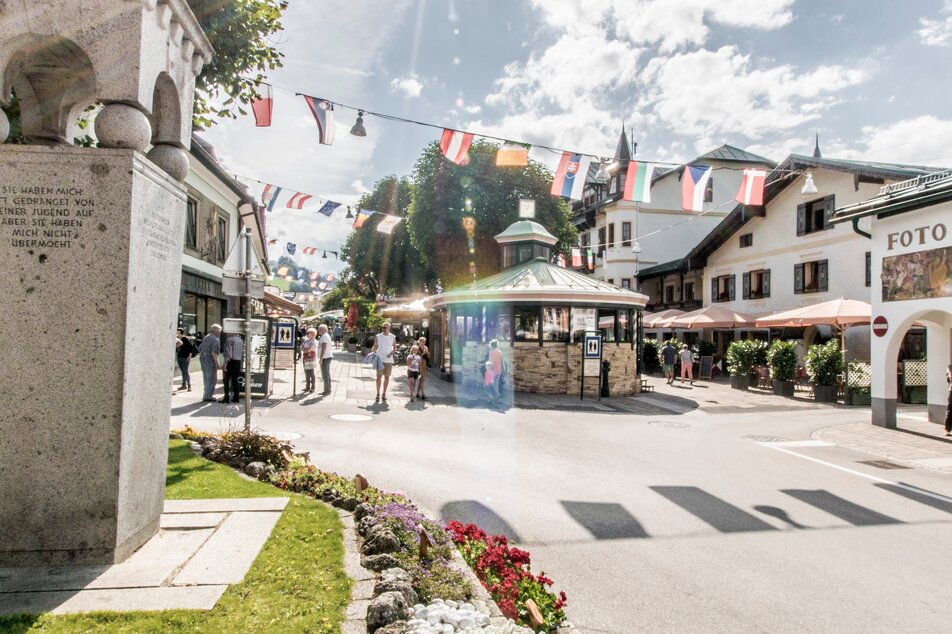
<point x="782" y="357"/>
<point x="704" y="348"/>
<point x="742" y="356"/>
<point x="661" y="346"/>
<point x="825" y="363"/>
<point x="251" y="445"/>
<point x="649" y="354"/>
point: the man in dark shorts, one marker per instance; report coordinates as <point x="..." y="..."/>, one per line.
<point x="668" y="354"/>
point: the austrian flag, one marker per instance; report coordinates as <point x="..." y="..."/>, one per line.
<point x="751" y="190"/>
<point x="310" y="251"/>
<point x="297" y="200"/>
<point x="455" y="145"/>
<point x="570" y="175"/>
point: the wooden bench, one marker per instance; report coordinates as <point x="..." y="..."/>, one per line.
<point x="645" y="387"/>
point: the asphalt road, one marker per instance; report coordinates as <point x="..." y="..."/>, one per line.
<point x="698" y="522"/>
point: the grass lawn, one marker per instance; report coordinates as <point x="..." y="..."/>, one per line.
<point x="297" y="583"/>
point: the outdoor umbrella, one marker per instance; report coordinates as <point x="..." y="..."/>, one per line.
<point x="661" y="319"/>
<point x="712" y="317"/>
<point x="838" y="312"/>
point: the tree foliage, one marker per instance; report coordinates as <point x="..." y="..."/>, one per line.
<point x="386" y="263"/>
<point x="439" y="206"/>
<point x="240" y="32"/>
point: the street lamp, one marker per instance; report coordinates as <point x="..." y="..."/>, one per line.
<point x="636" y="250"/>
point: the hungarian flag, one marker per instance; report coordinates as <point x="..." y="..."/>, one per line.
<point x="362" y="217"/>
<point x="569" y="181"/>
<point x="591" y="260"/>
<point x="328" y="208"/>
<point x="455" y="145"/>
<point x="638" y="182"/>
<point x="751" y="190"/>
<point x="297" y="200"/>
<point x="576" y="257"/>
<point x="262" y="107"/>
<point x="512" y="155"/>
<point x="310" y="251"/>
<point x="387" y="223"/>
<point x="323" y="112"/>
<point x="693" y="183"/>
<point x="270" y="196"/>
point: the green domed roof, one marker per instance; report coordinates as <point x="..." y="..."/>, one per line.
<point x="526" y="230"/>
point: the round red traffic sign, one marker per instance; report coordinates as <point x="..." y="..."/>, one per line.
<point x="880" y="326"/>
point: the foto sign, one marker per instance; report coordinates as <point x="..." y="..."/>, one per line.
<point x="526" y="208"/>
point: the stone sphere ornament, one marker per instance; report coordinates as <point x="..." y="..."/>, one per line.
<point x="172" y="160"/>
<point x="122" y="126"/>
<point x="4" y="127"/>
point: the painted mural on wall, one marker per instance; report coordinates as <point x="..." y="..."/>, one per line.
<point x="919" y="275"/>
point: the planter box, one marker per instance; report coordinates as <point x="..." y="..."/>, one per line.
<point x="784" y="388"/>
<point x="740" y="382"/>
<point x="858" y="398"/>
<point x="824" y="393"/>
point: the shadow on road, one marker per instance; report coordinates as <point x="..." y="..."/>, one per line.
<point x="475" y="512"/>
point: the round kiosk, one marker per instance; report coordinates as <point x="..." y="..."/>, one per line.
<point x="540" y="314"/>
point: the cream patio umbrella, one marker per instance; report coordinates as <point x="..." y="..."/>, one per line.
<point x="712" y="317"/>
<point x="838" y="312"/>
<point x="661" y="319"/>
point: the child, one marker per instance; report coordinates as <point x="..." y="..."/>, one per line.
<point x="413" y="369"/>
<point x="489" y="381"/>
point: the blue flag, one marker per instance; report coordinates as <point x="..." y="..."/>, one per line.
<point x="328" y="208"/>
<point x="292" y="248"/>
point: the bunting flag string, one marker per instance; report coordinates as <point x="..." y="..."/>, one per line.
<point x="751" y="190"/>
<point x="565" y="183"/>
<point x="271" y="195"/>
<point x="693" y="185"/>
<point x="638" y="182"/>
<point x="297" y="200"/>
<point x="262" y="107"/>
<point x="362" y="216"/>
<point x="455" y="145"/>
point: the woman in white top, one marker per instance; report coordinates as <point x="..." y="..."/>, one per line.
<point x="687" y="364"/>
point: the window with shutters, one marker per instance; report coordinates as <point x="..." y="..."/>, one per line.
<point x="191" y="223"/>
<point x="869" y="269"/>
<point x="722" y="288"/>
<point x="811" y="277"/>
<point x="626" y="234"/>
<point x="689" y="291"/>
<point x="746" y="240"/>
<point x="757" y="284"/>
<point x="815" y="215"/>
<point x="611" y="236"/>
<point x="221" y="238"/>
<point x="601" y="242"/>
<point x="669" y="294"/>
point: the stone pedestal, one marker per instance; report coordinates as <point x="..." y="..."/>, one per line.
<point x="90" y="247"/>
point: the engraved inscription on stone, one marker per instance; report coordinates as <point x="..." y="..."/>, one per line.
<point x="158" y="242"/>
<point x="41" y="217"/>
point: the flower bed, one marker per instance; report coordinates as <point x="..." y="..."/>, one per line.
<point x="506" y="573"/>
<point x="392" y="527"/>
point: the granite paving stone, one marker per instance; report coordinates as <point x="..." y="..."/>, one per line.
<point x="229" y="553"/>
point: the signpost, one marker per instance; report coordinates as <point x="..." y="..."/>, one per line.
<point x="243" y="277"/>
<point x="591" y="360"/>
<point x="880" y="326"/>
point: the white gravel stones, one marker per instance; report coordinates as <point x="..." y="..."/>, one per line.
<point x="453" y="617"/>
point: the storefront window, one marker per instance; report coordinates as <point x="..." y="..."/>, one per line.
<point x="527" y="323"/>
<point x="624" y="333"/>
<point x="606" y="324"/>
<point x="555" y="323"/>
<point x="583" y="319"/>
<point x="504" y="326"/>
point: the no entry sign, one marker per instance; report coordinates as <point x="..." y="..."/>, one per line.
<point x="880" y="326"/>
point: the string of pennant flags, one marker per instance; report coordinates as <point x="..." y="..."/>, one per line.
<point x="455" y="145"/>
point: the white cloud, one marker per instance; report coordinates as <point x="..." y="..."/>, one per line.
<point x="924" y="140"/>
<point x="409" y="86"/>
<point x="937" y="32"/>
<point x="717" y="93"/>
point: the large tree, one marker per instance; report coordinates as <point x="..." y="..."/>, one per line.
<point x="386" y="263"/>
<point x="442" y="190"/>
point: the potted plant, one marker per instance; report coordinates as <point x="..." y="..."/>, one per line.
<point x="741" y="358"/>
<point x="782" y="358"/>
<point x="824" y="364"/>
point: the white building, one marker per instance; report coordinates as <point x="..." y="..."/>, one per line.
<point x="910" y="236"/>
<point x="609" y="226"/>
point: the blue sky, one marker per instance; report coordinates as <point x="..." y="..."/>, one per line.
<point x="685" y="75"/>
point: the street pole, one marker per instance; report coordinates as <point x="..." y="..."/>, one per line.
<point x="246" y="274"/>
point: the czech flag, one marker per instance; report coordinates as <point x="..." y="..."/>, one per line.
<point x="693" y="183"/>
<point x="262" y="107"/>
<point x="270" y="196"/>
<point x="455" y="145"/>
<point x="569" y="181"/>
<point x="323" y="112"/>
<point x="751" y="190"/>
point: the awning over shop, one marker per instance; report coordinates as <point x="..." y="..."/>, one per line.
<point x="712" y="317"/>
<point x="276" y="303"/>
<point x="837" y="312"/>
<point x="661" y="319"/>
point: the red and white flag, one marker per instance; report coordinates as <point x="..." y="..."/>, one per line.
<point x="297" y="200"/>
<point x="576" y="257"/>
<point x="561" y="260"/>
<point x="262" y="107"/>
<point x="310" y="251"/>
<point x="455" y="145"/>
<point x="751" y="190"/>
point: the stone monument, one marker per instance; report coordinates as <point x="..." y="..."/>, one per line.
<point x="90" y="247"/>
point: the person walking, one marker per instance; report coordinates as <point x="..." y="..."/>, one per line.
<point x="233" y="351"/>
<point x="424" y="353"/>
<point x="495" y="357"/>
<point x="687" y="363"/>
<point x="384" y="344"/>
<point x="325" y="353"/>
<point x="414" y="362"/>
<point x="668" y="355"/>
<point x="208" y="359"/>
<point x="184" y="351"/>
<point x="338" y="334"/>
<point x="309" y="359"/>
